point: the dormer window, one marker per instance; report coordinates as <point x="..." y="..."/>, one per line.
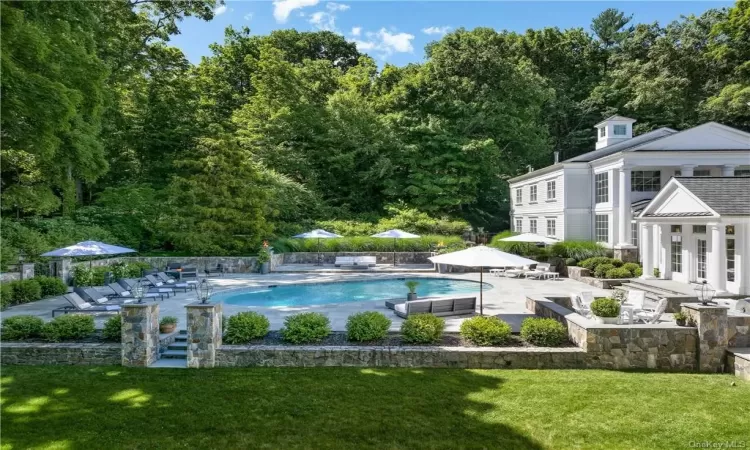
<point x="621" y="130"/>
<point x="602" y="131"/>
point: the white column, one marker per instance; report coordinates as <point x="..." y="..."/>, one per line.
<point x="727" y="170"/>
<point x="715" y="268"/>
<point x="623" y="219"/>
<point x="647" y="253"/>
<point x="687" y="170"/>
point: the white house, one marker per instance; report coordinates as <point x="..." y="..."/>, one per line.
<point x="599" y="195"/>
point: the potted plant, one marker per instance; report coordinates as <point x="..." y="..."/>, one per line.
<point x="167" y="324"/>
<point x="264" y="258"/>
<point x="606" y="310"/>
<point x="657" y="272"/>
<point x="412" y="285"/>
<point x="681" y="318"/>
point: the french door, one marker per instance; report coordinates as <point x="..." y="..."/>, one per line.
<point x="700" y="263"/>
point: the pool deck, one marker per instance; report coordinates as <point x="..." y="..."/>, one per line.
<point x="506" y="300"/>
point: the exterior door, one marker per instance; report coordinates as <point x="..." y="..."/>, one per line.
<point x="700" y="260"/>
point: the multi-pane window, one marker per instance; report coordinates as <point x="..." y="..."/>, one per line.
<point x="532" y="226"/>
<point x="645" y="180"/>
<point x="699" y="229"/>
<point x="519" y="196"/>
<point x="532" y="193"/>
<point x="702" y="173"/>
<point x="602" y="131"/>
<point x="551" y="190"/>
<point x="676" y="253"/>
<point x="634" y="233"/>
<point x="701" y="258"/>
<point x="601" y="184"/>
<point x="602" y="228"/>
<point x="620" y="130"/>
<point x="551" y="227"/>
<point x="742" y="172"/>
<point x="519" y="224"/>
<point x="730" y="259"/>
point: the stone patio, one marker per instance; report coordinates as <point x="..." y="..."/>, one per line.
<point x="507" y="298"/>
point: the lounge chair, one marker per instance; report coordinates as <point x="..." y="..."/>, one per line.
<point x="437" y="306"/>
<point x="93" y="296"/>
<point x="517" y="272"/>
<point x="541" y="271"/>
<point x="78" y="305"/>
<point x="129" y="284"/>
<point x="652" y="316"/>
<point x="167" y="280"/>
<point x="579" y="306"/>
<point x="636" y="299"/>
<point x="121" y="292"/>
<point x="160" y="284"/>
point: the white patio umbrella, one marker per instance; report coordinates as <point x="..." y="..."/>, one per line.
<point x="531" y="237"/>
<point x="317" y="234"/>
<point x="395" y="234"/>
<point x="89" y="248"/>
<point x="481" y="256"/>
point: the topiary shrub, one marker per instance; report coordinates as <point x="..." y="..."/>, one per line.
<point x="243" y="327"/>
<point x="571" y="262"/>
<point x="592" y="263"/>
<point x="422" y="329"/>
<point x="112" y="330"/>
<point x="51" y="286"/>
<point x="306" y="328"/>
<point x="543" y="332"/>
<point x="605" y="307"/>
<point x="22" y="327"/>
<point x="25" y="291"/>
<point x="68" y="327"/>
<point x="631" y="267"/>
<point x="618" y="272"/>
<point x="6" y="295"/>
<point x="367" y="326"/>
<point x="602" y="269"/>
<point x="484" y="331"/>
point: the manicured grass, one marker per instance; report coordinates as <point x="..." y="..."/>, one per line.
<point x="81" y="408"/>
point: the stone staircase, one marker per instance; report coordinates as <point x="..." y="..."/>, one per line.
<point x="175" y="355"/>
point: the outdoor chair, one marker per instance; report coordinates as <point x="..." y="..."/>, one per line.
<point x="128" y="284"/>
<point x="636" y="299"/>
<point x="220" y="269"/>
<point x="159" y="284"/>
<point x="652" y="316"/>
<point x="78" y="305"/>
<point x="121" y="292"/>
<point x="743" y="306"/>
<point x="517" y="272"/>
<point x="168" y="281"/>
<point x="95" y="297"/>
<point x="579" y="307"/>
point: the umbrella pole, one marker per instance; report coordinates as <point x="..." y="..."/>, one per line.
<point x="394" y="252"/>
<point x="481" y="290"/>
<point x="319" y="262"/>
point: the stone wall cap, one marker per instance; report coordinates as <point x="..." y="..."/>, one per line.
<point x="436" y="349"/>
<point x="139" y="305"/>
<point x="700" y="307"/>
<point x="202" y="305"/>
<point x="59" y="345"/>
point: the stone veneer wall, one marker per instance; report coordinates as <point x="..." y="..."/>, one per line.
<point x="459" y="357"/>
<point x="140" y="334"/>
<point x="584" y="276"/>
<point x="739" y="330"/>
<point x="234" y="264"/>
<point x="381" y="257"/>
<point x="55" y="354"/>
<point x="739" y="365"/>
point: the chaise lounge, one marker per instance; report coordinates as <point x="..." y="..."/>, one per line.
<point x="439" y="306"/>
<point x="77" y="305"/>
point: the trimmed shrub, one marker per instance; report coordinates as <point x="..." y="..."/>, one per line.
<point x="25" y="291"/>
<point x="484" y="330"/>
<point x="616" y="262"/>
<point x="22" y="327"/>
<point x="602" y="269"/>
<point x="367" y="326"/>
<point x="6" y="295"/>
<point x="631" y="267"/>
<point x="605" y="307"/>
<point x="571" y="262"/>
<point x="579" y="250"/>
<point x="592" y="263"/>
<point x="243" y="327"/>
<point x="135" y="269"/>
<point x="367" y="244"/>
<point x="422" y="329"/>
<point x="82" y="276"/>
<point x="305" y="328"/>
<point x="68" y="327"/>
<point x="618" y="272"/>
<point x="112" y="329"/>
<point x="638" y="272"/>
<point x="543" y="332"/>
<point x="51" y="286"/>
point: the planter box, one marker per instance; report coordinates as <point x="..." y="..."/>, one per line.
<point x="605" y="320"/>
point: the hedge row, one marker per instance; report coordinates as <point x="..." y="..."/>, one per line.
<point x="30" y="290"/>
<point x="368" y="244"/>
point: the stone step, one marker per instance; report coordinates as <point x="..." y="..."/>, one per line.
<point x="174" y="354"/>
<point x="169" y="364"/>
<point x="179" y="338"/>
<point x="663" y="291"/>
<point x="183" y="332"/>
<point x="177" y="346"/>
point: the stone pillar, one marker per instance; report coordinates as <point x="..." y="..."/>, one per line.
<point x="203" y="334"/>
<point x="727" y="170"/>
<point x="647" y="255"/>
<point x="26" y="271"/>
<point x="687" y="170"/>
<point x="716" y="260"/>
<point x="140" y="334"/>
<point x="64" y="268"/>
<point x="713" y="334"/>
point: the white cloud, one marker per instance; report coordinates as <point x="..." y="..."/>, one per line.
<point x="436" y="30"/>
<point x="219" y="10"/>
<point x="356" y="31"/>
<point x="336" y="6"/>
<point x="323" y="21"/>
<point x="384" y="43"/>
<point x="248" y="16"/>
<point x="282" y="8"/>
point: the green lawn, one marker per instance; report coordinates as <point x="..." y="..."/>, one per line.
<point x="88" y="408"/>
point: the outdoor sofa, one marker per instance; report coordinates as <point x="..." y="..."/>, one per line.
<point x="365" y="261"/>
<point x="439" y="306"/>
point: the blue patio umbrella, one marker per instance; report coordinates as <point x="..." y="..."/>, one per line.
<point x="395" y="234"/>
<point x="89" y="248"/>
<point x="317" y="234"/>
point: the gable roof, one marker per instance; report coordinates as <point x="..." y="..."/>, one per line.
<point x="615" y="118"/>
<point x="623" y="145"/>
<point x="728" y="196"/>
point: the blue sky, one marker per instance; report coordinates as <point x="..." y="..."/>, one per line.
<point x="397" y="31"/>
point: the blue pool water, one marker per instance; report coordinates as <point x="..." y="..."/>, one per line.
<point x="343" y="292"/>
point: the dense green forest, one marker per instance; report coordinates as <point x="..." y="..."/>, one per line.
<point x="109" y="133"/>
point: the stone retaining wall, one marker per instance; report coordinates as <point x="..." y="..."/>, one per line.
<point x="739" y="331"/>
<point x="233" y="264"/>
<point x="442" y="357"/>
<point x="381" y="257"/>
<point x="55" y="354"/>
<point x="739" y="365"/>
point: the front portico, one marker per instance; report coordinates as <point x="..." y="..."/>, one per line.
<point x="698" y="229"/>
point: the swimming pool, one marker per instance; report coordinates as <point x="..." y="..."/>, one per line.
<point x="344" y="292"/>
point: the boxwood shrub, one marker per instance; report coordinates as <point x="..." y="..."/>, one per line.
<point x="112" y="330"/>
<point x="68" y="327"/>
<point x="422" y="329"/>
<point x="305" y="328"/>
<point x="543" y="332"/>
<point x="25" y="291"/>
<point x="571" y="262"/>
<point x="367" y="326"/>
<point x="243" y="327"/>
<point x="592" y="263"/>
<point x="602" y="269"/>
<point x="51" y="286"/>
<point x="6" y="295"/>
<point x="631" y="267"/>
<point x="485" y="330"/>
<point x="22" y="327"/>
<point x="605" y="307"/>
<point x="618" y="272"/>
